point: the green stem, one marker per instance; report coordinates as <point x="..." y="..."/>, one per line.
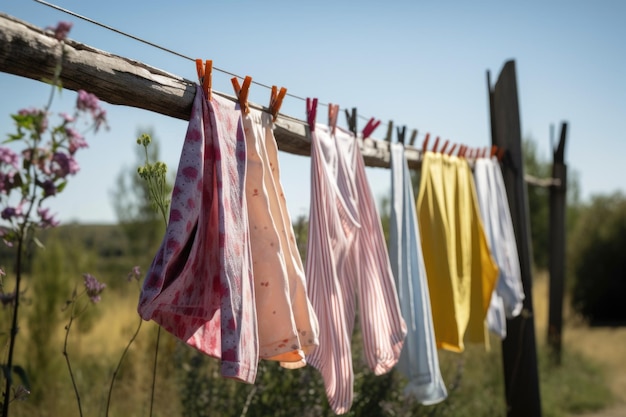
<point x="67" y="358"/>
<point x="119" y="365"/>
<point x="9" y="366"/>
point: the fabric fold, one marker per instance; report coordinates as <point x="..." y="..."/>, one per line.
<point x="346" y="262"/>
<point x="288" y="328"/>
<point x="419" y="360"/>
<point x="460" y="269"/>
<point x="508" y="296"/>
<point x="199" y="286"/>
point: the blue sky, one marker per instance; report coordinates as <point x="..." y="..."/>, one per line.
<point x="421" y="64"/>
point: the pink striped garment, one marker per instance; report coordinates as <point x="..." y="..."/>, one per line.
<point x="199" y="285"/>
<point x="347" y="260"/>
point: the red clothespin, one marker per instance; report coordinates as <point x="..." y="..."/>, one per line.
<point x="242" y="92"/>
<point x="501" y="153"/>
<point x="436" y="144"/>
<point x="311" y="112"/>
<point x="204" y="76"/>
<point x="452" y="149"/>
<point x="462" y="150"/>
<point x="445" y="145"/>
<point x="369" y="128"/>
<point x="494" y="151"/>
<point x="276" y="100"/>
<point x="333" y="112"/>
<point x="425" y="143"/>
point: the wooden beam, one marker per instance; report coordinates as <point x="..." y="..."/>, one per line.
<point x="519" y="351"/>
<point x="28" y="51"/>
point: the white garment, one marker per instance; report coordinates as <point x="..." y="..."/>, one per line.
<point x="419" y="360"/>
<point x="508" y="296"/>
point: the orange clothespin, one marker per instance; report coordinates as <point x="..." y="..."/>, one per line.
<point x="276" y="100"/>
<point x="501" y="153"/>
<point x="445" y="145"/>
<point x="425" y="143"/>
<point x="452" y="149"/>
<point x="333" y="112"/>
<point x="204" y="76"/>
<point x="242" y="92"/>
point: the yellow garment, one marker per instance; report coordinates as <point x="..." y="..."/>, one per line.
<point x="460" y="269"/>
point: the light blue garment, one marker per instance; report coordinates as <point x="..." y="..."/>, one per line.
<point x="508" y="295"/>
<point x="419" y="360"/>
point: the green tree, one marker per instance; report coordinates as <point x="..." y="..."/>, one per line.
<point x="598" y="265"/>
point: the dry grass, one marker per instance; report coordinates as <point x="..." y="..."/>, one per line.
<point x="603" y="346"/>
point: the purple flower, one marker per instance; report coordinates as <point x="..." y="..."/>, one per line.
<point x="8" y="181"/>
<point x="61" y="30"/>
<point x="9" y="157"/>
<point x="93" y="287"/>
<point x="47" y="219"/>
<point x="10" y="212"/>
<point x="87" y="102"/>
<point x="135" y="273"/>
<point x="67" y="118"/>
<point x="62" y="165"/>
<point x="76" y="140"/>
<point x="49" y="189"/>
<point x="100" y="119"/>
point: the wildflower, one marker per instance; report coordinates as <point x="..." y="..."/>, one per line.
<point x="10" y="212"/>
<point x="20" y="393"/>
<point x="87" y="102"/>
<point x="49" y="188"/>
<point x="76" y="140"/>
<point x="93" y="287"/>
<point x="100" y="119"/>
<point x="9" y="180"/>
<point x="61" y="30"/>
<point x="67" y="118"/>
<point x="46" y="218"/>
<point x="9" y="157"/>
<point x="135" y="273"/>
<point x="39" y="118"/>
<point x="63" y="165"/>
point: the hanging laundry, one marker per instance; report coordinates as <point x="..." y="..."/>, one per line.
<point x="347" y="261"/>
<point x="199" y="286"/>
<point x="460" y="269"/>
<point x="419" y="360"/>
<point x="508" y="296"/>
<point x="288" y="328"/>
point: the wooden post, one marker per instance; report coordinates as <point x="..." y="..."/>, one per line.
<point x="558" y="204"/>
<point x="519" y="353"/>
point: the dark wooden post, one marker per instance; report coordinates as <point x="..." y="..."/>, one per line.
<point x="558" y="204"/>
<point x="519" y="353"/>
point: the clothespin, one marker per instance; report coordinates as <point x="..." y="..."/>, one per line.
<point x="351" y="120"/>
<point x="462" y="150"/>
<point x="369" y="128"/>
<point x="389" y="131"/>
<point x="436" y="144"/>
<point x="401" y="132"/>
<point x="204" y="76"/>
<point x="242" y="92"/>
<point x="452" y="149"/>
<point x="413" y="137"/>
<point x="494" y="151"/>
<point x="333" y="112"/>
<point x="425" y="143"/>
<point x="311" y="112"/>
<point x="276" y="100"/>
<point x="445" y="145"/>
<point x="501" y="153"/>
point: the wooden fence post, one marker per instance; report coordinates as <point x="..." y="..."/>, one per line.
<point x="519" y="353"/>
<point x="558" y="205"/>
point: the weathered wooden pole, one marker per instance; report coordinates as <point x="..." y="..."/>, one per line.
<point x="558" y="207"/>
<point x="519" y="353"/>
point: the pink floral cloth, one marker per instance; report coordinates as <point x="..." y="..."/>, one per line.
<point x="199" y="286"/>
